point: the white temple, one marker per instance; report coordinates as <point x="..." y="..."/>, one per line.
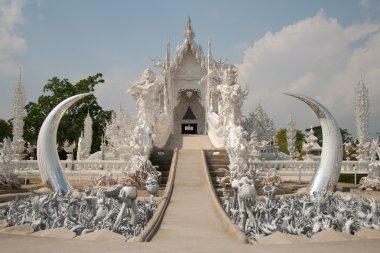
<point x="188" y="99"/>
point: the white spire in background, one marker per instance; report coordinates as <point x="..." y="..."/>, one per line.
<point x="291" y="136"/>
<point x="19" y="113"/>
<point x="87" y="136"/>
<point x="361" y="111"/>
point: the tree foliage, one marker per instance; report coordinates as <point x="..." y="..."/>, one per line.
<point x="283" y="143"/>
<point x="346" y="136"/>
<point x="72" y="123"/>
<point x="5" y="129"/>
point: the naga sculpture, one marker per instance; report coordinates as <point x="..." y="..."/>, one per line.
<point x="47" y="155"/>
<point x="327" y="175"/>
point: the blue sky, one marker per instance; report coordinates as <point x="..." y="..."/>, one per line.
<point x="318" y="48"/>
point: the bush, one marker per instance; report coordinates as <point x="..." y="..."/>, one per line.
<point x="350" y="178"/>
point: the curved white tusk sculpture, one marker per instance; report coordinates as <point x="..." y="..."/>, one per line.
<point x="327" y="175"/>
<point x="47" y="155"/>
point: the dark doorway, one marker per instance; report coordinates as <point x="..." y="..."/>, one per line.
<point x="189" y="128"/>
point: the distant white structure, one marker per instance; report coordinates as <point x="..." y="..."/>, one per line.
<point x="117" y="136"/>
<point x="259" y="121"/>
<point x="311" y="146"/>
<point x="291" y="136"/>
<point x="19" y="113"/>
<point x="87" y="136"/>
<point x="361" y="119"/>
<point x="361" y="112"/>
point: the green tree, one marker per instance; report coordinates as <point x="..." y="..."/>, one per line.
<point x="283" y="143"/>
<point x="5" y="129"/>
<point x="346" y="136"/>
<point x="71" y="125"/>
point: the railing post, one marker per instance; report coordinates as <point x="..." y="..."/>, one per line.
<point x="299" y="174"/>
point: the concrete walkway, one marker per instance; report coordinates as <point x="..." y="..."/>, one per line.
<point x="190" y="215"/>
<point x="189" y="142"/>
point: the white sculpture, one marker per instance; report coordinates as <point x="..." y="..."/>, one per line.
<point x="361" y="119"/>
<point x="69" y="149"/>
<point x="327" y="175"/>
<point x="47" y="156"/>
<point x="145" y="93"/>
<point x="362" y="151"/>
<point x="152" y="186"/>
<point x="372" y="181"/>
<point x="30" y="150"/>
<point x="291" y="136"/>
<point x="232" y="96"/>
<point x="256" y="147"/>
<point x="19" y="113"/>
<point x="272" y="178"/>
<point x="259" y="121"/>
<point x="115" y="208"/>
<point x="305" y="214"/>
<point x="8" y="180"/>
<point x="348" y="147"/>
<point x="118" y="134"/>
<point x="87" y="137"/>
<point x="246" y="198"/>
<point x="311" y="145"/>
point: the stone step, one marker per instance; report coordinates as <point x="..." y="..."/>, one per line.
<point x="216" y="160"/>
<point x="163" y="167"/>
<point x="217" y="167"/>
<point x="216" y="174"/>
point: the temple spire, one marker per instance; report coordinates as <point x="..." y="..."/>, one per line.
<point x="167" y="60"/>
<point x="19" y="77"/>
<point x="209" y="58"/>
<point x="189" y="34"/>
<point x="19" y="113"/>
<point x="361" y="111"/>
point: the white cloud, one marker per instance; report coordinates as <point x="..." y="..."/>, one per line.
<point x="318" y="57"/>
<point x="11" y="42"/>
<point x="364" y="3"/>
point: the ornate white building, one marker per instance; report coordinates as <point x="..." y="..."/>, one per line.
<point x="188" y="99"/>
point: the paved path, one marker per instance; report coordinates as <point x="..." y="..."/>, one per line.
<point x="190" y="215"/>
<point x="189" y="142"/>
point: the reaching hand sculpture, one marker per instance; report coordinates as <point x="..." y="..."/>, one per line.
<point x="114" y="208"/>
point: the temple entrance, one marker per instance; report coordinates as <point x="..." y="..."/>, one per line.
<point x="189" y="129"/>
<point x="189" y="114"/>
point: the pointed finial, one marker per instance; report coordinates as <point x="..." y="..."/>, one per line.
<point x="189" y="34"/>
<point x="168" y="54"/>
<point x="19" y="77"/>
<point x="209" y="56"/>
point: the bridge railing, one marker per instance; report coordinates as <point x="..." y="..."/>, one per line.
<point x="284" y="167"/>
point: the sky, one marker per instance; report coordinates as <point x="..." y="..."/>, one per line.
<point x="316" y="48"/>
